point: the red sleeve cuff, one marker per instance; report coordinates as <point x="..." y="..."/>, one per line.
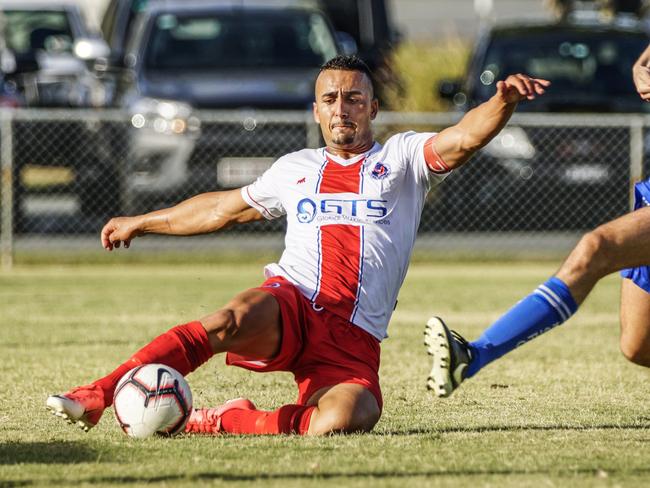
<point x="434" y="162"/>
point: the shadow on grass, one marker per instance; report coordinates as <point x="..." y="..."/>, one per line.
<point x="60" y="452"/>
<point x="319" y="476"/>
<point x="643" y="424"/>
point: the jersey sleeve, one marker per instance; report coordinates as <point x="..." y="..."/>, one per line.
<point x="418" y="149"/>
<point x="264" y="193"/>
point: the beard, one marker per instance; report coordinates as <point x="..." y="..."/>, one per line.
<point x="343" y="139"/>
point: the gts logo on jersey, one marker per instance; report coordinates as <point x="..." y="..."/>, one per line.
<point x="358" y="210"/>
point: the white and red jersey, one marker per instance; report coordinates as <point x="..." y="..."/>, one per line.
<point x="351" y="224"/>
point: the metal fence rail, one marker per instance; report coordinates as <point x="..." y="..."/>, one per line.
<point x="541" y="182"/>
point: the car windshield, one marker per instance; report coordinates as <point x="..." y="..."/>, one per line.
<point x="579" y="64"/>
<point x="251" y="40"/>
<point x="30" y="30"/>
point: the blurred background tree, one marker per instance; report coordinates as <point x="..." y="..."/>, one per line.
<point x="420" y="66"/>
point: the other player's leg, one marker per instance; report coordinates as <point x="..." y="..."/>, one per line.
<point x="621" y="243"/>
<point x="249" y="324"/>
<point x="635" y="319"/>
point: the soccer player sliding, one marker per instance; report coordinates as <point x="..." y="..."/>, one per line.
<point x="622" y="244"/>
<point x="352" y="209"/>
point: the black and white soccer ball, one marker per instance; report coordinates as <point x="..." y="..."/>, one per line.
<point x="152" y="399"/>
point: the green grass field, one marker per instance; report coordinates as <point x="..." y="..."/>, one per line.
<point x="566" y="410"/>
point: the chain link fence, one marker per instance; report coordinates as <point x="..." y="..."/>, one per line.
<point x="535" y="188"/>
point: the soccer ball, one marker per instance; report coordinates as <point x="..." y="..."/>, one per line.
<point x="152" y="399"/>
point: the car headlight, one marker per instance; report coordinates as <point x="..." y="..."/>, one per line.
<point x="511" y="143"/>
<point x="164" y="116"/>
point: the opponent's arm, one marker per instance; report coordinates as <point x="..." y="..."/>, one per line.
<point x="207" y="212"/>
<point x="458" y="143"/>
<point x="641" y="74"/>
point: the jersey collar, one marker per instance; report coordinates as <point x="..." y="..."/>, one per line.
<point x="347" y="162"/>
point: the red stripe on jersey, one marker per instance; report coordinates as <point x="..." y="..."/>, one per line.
<point x="339" y="273"/>
<point x="340" y="179"/>
<point x="340" y="245"/>
<point x="434" y="162"/>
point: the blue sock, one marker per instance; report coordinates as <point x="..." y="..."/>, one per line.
<point x="548" y="306"/>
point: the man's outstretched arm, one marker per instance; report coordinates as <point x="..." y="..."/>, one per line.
<point x="458" y="143"/>
<point x="204" y="213"/>
<point x="641" y="74"/>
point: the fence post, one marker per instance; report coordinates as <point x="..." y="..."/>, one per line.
<point x="6" y="190"/>
<point x="636" y="155"/>
<point x="313" y="132"/>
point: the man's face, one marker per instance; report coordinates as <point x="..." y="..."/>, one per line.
<point x="344" y="107"/>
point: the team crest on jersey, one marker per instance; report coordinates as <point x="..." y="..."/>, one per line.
<point x="380" y="171"/>
<point x="306" y="211"/>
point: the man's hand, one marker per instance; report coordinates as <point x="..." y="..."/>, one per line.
<point x="641" y="76"/>
<point x="456" y="144"/>
<point x="520" y="87"/>
<point x="120" y="230"/>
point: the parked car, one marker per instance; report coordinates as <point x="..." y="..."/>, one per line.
<point x="55" y="39"/>
<point x="57" y="158"/>
<point x="119" y="23"/>
<point x="568" y="168"/>
<point x="184" y="57"/>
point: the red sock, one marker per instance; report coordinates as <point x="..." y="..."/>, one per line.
<point x="184" y="348"/>
<point x="289" y="419"/>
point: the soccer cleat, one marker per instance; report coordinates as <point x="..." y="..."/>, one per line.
<point x="451" y="356"/>
<point x="82" y="406"/>
<point x="208" y="420"/>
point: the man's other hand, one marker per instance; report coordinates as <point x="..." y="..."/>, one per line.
<point x="120" y="230"/>
<point x="641" y="76"/>
<point x="520" y="87"/>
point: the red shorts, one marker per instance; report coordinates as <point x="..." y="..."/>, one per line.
<point x="320" y="348"/>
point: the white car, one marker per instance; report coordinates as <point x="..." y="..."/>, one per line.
<point x="54" y="38"/>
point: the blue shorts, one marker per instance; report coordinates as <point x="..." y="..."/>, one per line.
<point x="641" y="275"/>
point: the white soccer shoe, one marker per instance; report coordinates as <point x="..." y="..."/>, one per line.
<point x="82" y="406"/>
<point x="451" y="356"/>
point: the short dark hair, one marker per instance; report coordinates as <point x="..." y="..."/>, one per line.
<point x="352" y="62"/>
